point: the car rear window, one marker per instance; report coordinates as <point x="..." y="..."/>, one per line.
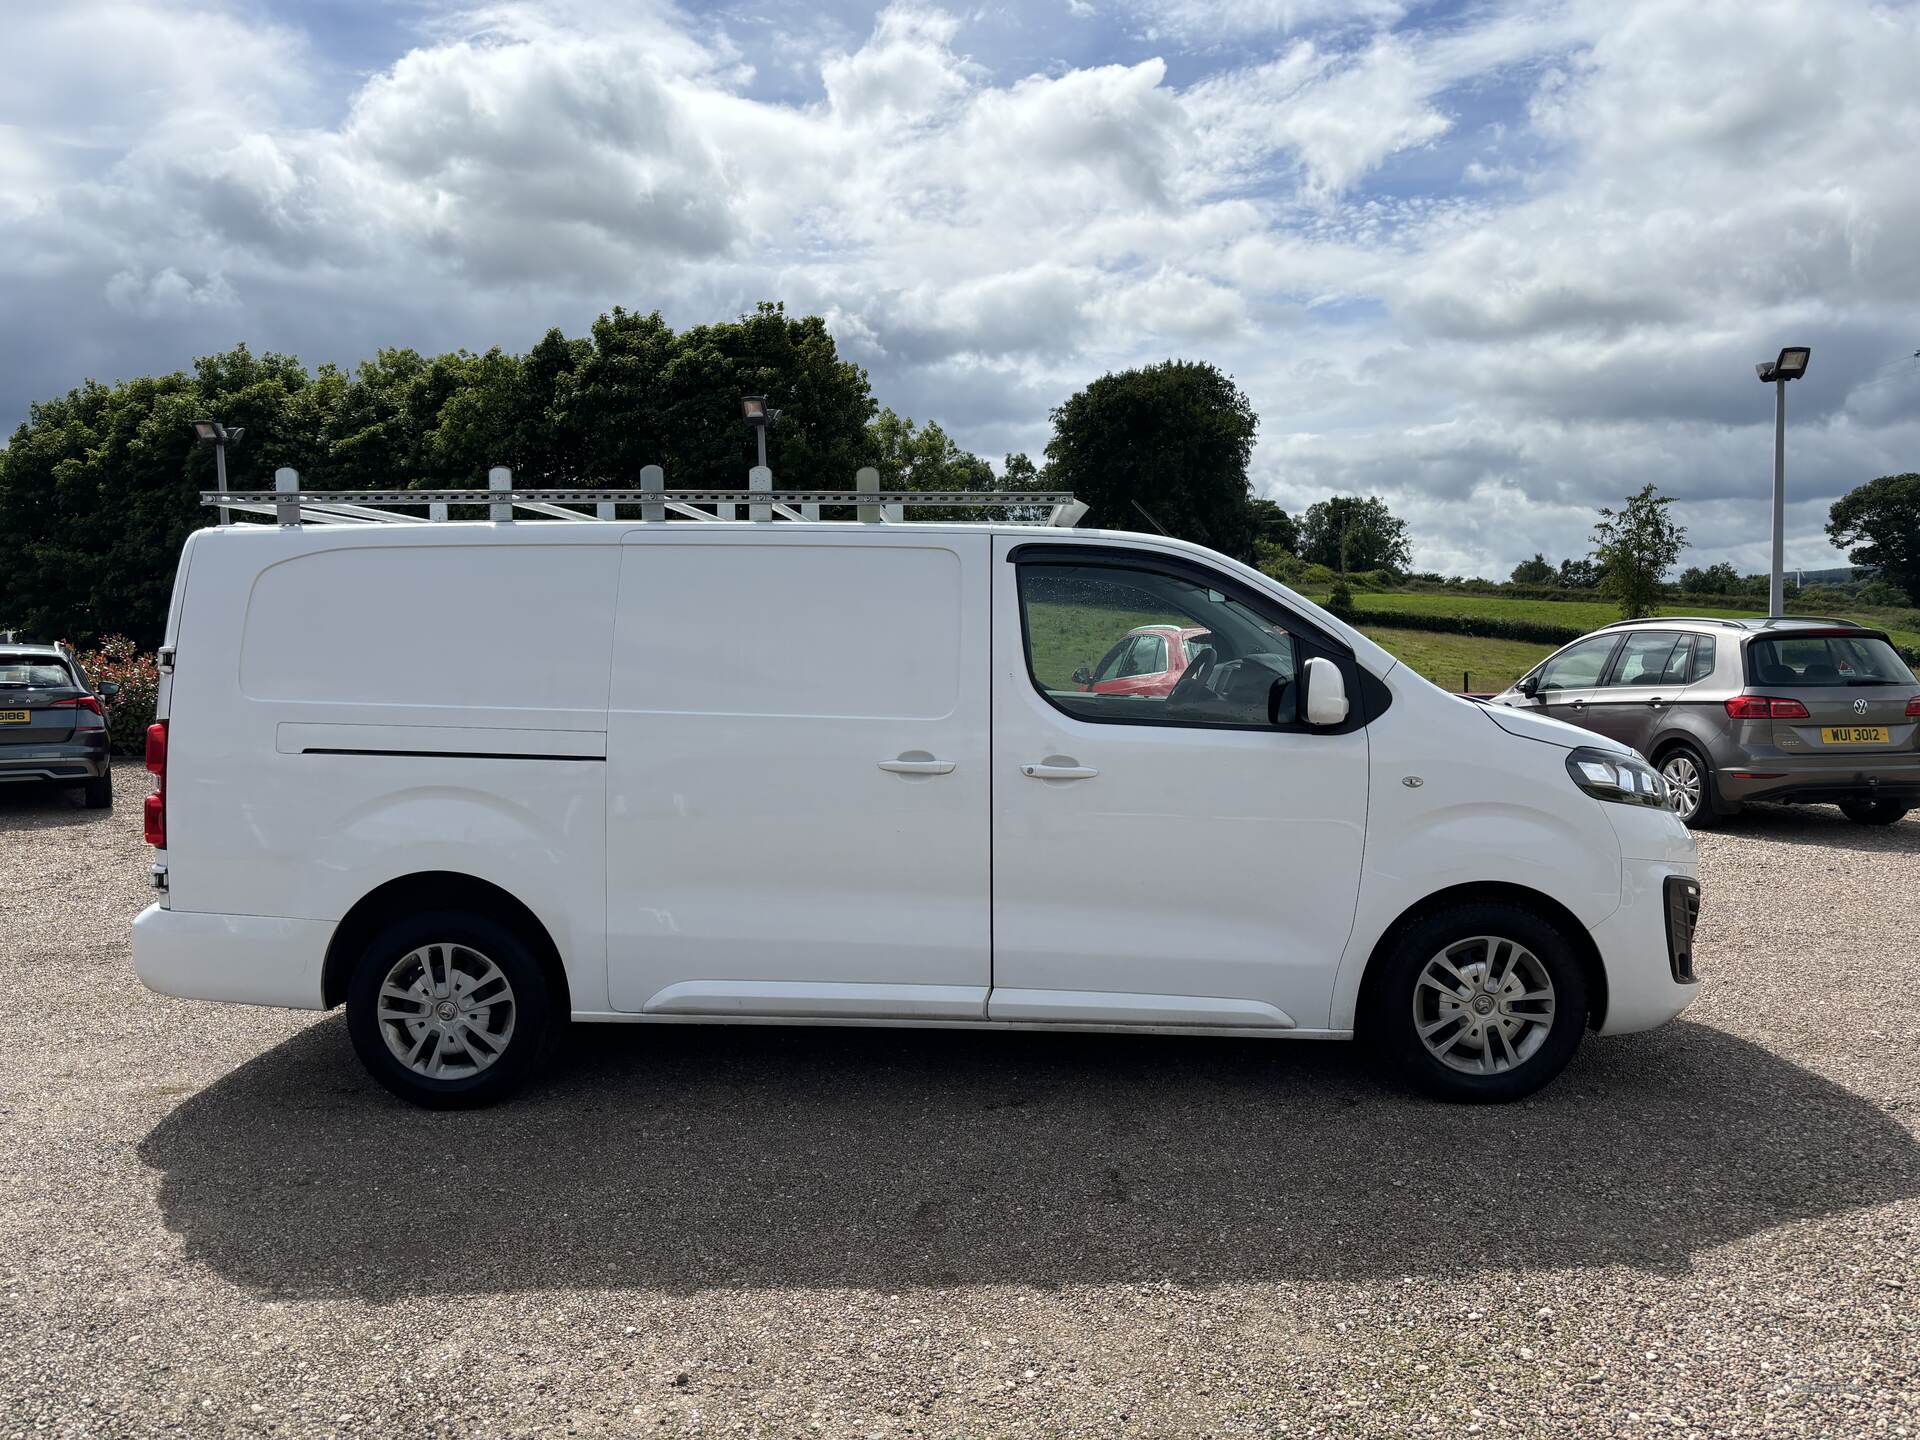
<point x="34" y="672"/>
<point x="1826" y="660"/>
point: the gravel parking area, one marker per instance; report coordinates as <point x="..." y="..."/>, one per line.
<point x="211" y="1223"/>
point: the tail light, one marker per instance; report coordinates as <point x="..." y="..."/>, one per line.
<point x="1913" y="708"/>
<point x="80" y="702"/>
<point x="156" y="808"/>
<point x="1760" y="707"/>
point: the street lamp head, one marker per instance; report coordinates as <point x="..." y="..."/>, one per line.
<point x="754" y="408"/>
<point x="210" y="432"/>
<point x="1792" y="363"/>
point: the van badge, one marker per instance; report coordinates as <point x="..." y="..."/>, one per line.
<point x="1412" y="782"/>
<point x="1860" y="707"/>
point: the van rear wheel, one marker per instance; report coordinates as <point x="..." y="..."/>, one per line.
<point x="1483" y="1002"/>
<point x="449" y="1010"/>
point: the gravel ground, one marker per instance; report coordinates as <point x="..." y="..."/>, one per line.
<point x="212" y="1224"/>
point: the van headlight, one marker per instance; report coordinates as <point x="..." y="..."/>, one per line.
<point x="1626" y="779"/>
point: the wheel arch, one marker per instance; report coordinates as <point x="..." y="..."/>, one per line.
<point x="1480" y="892"/>
<point x="435" y="890"/>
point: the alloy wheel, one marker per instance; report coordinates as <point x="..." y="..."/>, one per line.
<point x="1685" y="784"/>
<point x="446" y="1011"/>
<point x="1483" y="1005"/>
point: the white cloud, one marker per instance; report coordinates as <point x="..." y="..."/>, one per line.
<point x="1499" y="267"/>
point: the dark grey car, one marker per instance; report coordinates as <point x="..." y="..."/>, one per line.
<point x="53" y="727"/>
<point x="1800" y="710"/>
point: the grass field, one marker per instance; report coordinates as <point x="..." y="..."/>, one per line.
<point x="1590" y="615"/>
<point x="1444" y="659"/>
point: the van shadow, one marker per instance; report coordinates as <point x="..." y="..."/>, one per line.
<point x="682" y="1159"/>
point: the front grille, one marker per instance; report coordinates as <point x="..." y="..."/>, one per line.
<point x="1683" y="913"/>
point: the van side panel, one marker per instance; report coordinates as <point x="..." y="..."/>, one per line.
<point x="351" y="708"/>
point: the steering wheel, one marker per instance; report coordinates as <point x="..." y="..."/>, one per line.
<point x="1194" y="678"/>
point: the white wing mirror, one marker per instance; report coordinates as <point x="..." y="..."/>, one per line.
<point x="1326" y="692"/>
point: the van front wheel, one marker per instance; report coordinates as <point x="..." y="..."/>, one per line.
<point x="1481" y="1002"/>
<point x="449" y="1010"/>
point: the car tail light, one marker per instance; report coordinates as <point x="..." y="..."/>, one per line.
<point x="80" y="702"/>
<point x="1760" y="707"/>
<point x="156" y="808"/>
<point x="1913" y="708"/>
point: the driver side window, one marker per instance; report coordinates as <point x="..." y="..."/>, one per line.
<point x="1241" y="675"/>
<point x="1579" y="666"/>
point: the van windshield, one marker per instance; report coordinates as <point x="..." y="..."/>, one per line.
<point x="1827" y="660"/>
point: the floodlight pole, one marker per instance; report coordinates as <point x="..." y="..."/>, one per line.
<point x="220" y="473"/>
<point x="1777" y="579"/>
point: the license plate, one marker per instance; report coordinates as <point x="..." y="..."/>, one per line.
<point x="1854" y="735"/>
<point x="13" y="717"/>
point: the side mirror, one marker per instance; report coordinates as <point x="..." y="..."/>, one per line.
<point x="1529" y="685"/>
<point x="1326" y="691"/>
<point x="108" y="690"/>
<point x="1082" y="677"/>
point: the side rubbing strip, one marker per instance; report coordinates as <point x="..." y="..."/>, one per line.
<point x="454" y="754"/>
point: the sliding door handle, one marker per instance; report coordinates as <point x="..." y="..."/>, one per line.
<point x="917" y="766"/>
<point x="1045" y="771"/>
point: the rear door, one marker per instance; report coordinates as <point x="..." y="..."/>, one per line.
<point x="1648" y="672"/>
<point x="797" y="799"/>
<point x="1191" y="858"/>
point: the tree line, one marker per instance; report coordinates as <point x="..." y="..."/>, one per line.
<point x="99" y="487"/>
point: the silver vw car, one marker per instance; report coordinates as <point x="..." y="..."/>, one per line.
<point x="1802" y="710"/>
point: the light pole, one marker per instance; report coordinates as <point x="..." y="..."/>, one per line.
<point x="754" y="408"/>
<point x="212" y="432"/>
<point x="1791" y="365"/>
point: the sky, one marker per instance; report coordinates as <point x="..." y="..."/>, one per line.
<point x="1497" y="263"/>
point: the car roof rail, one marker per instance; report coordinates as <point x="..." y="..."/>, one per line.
<point x="290" y="505"/>
<point x="1682" y="619"/>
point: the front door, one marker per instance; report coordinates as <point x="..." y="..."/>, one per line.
<point x="1190" y="857"/>
<point x="797" y="790"/>
<point x="1569" y="680"/>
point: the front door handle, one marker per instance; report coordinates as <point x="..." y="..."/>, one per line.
<point x="1656" y="703"/>
<point x="1044" y="771"/>
<point x="918" y="766"/>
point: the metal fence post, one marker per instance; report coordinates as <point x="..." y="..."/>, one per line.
<point x="500" y="480"/>
<point x="760" y="482"/>
<point x="286" y="484"/>
<point x="652" y="477"/>
<point x="868" y="479"/>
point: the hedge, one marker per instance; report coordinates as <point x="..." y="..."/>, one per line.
<point x="1485" y="627"/>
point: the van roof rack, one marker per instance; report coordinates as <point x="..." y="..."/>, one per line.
<point x="290" y="505"/>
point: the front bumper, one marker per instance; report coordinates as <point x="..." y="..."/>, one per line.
<point x="63" y="762"/>
<point x="1636" y="951"/>
<point x="1822" y="779"/>
<point x="247" y="959"/>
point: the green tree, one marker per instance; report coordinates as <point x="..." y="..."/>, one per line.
<point x="1350" y="533"/>
<point x="1272" y="526"/>
<point x="1881" y="521"/>
<point x="925" y="457"/>
<point x="1174" y="439"/>
<point x="1634" y="547"/>
<point x="1716" y="579"/>
<point x="1577" y="574"/>
<point x="1537" y="571"/>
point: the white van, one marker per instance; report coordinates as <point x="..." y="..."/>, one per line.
<point x="474" y="779"/>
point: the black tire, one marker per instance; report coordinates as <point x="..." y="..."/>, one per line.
<point x="1394" y="1028"/>
<point x="1874" y="812"/>
<point x="98" y="793"/>
<point x="533" y="1022"/>
<point x="1709" y="811"/>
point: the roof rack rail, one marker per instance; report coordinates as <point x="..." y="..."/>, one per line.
<point x="1689" y="619"/>
<point x="290" y="505"/>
